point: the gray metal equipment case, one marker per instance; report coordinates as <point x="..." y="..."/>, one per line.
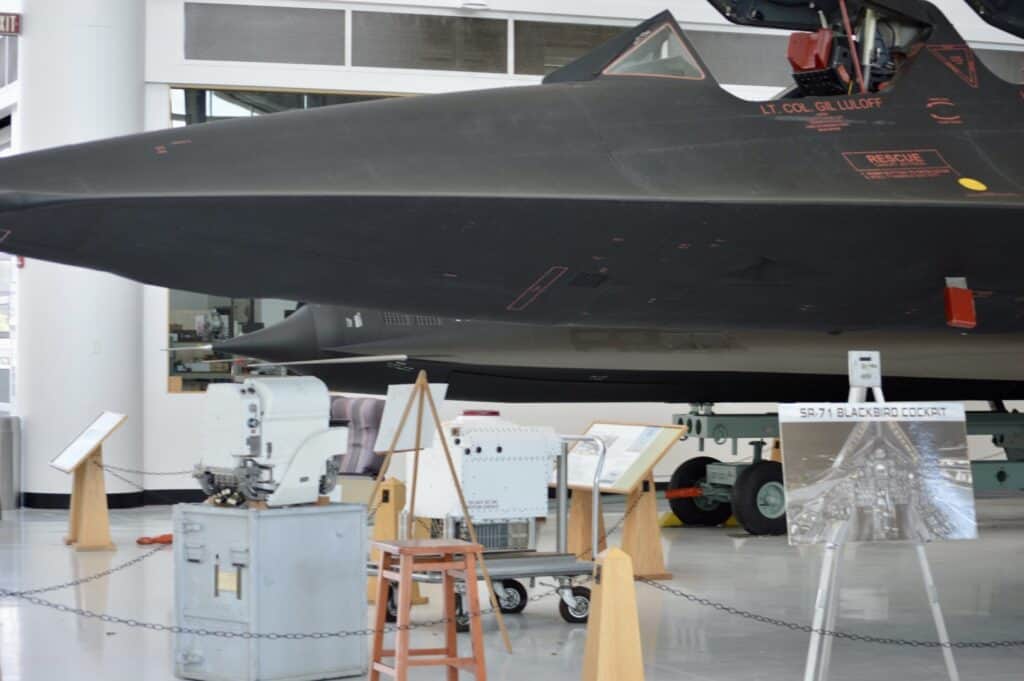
<point x="281" y="570"/>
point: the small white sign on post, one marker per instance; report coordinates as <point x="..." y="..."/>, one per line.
<point x="89" y="521"/>
<point x="87" y="441"/>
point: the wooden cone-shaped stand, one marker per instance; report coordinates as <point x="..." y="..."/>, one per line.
<point x="612" y="651"/>
<point x="641" y="536"/>
<point x="89" y="520"/>
<point x="581" y="506"/>
<point x="422" y="398"/>
<point x="389" y="503"/>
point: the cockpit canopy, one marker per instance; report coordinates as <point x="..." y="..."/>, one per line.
<point x="659" y="52"/>
<point x="654" y="49"/>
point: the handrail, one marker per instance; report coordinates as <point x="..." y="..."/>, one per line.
<point x="595" y="510"/>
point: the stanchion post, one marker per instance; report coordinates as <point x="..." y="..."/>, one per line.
<point x="613" y="650"/>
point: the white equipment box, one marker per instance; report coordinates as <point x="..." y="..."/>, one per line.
<point x="269" y="439"/>
<point x="278" y="570"/>
<point x="503" y="469"/>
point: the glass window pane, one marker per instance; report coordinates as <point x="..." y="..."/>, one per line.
<point x="660" y="53"/>
<point x="542" y="47"/>
<point x="284" y="35"/>
<point x="418" y="41"/>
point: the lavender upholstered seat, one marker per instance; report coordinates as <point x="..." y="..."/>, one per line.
<point x="363" y="415"/>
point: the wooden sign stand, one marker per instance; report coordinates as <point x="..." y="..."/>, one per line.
<point x="89" y="520"/>
<point x="89" y="517"/>
<point x="641" y="533"/>
<point x="422" y="398"/>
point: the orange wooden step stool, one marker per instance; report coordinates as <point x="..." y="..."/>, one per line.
<point x="454" y="559"/>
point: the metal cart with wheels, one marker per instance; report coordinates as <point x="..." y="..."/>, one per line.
<point x="509" y="569"/>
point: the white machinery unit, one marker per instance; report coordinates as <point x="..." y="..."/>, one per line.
<point x="269" y="439"/>
<point x="503" y="469"/>
<point x="292" y="570"/>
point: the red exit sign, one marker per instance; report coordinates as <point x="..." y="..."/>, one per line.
<point x="10" y="24"/>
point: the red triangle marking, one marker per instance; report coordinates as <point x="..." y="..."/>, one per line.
<point x="959" y="59"/>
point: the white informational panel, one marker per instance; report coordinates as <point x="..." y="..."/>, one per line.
<point x="91" y="438"/>
<point x="633" y="451"/>
<point x="888" y="471"/>
<point x="394" y="406"/>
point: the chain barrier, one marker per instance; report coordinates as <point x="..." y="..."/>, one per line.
<point x="31" y="596"/>
<point x="83" y="580"/>
<point x="121" y="469"/>
<point x="808" y="629"/>
<point x="215" y="633"/>
<point x="111" y="470"/>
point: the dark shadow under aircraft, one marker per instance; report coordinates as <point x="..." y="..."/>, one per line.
<point x="629" y="191"/>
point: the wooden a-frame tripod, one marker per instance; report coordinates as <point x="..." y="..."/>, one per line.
<point x="421" y="397"/>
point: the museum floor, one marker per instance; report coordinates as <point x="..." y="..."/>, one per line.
<point x="981" y="584"/>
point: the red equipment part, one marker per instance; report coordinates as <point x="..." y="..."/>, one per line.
<point x="810" y="51"/>
<point x="960" y="312"/>
<point x="158" y="539"/>
<point x="684" y="493"/>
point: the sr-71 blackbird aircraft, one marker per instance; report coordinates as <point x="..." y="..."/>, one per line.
<point x="629" y="191"/>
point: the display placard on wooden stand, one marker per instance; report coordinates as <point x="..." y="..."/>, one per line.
<point x="89" y="519"/>
<point x="633" y="450"/>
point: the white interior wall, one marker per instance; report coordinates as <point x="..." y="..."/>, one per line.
<point x="77" y="342"/>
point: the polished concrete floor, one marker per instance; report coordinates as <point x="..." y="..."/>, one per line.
<point x="981" y="584"/>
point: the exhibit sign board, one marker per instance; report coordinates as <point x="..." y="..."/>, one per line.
<point x="887" y="470"/>
<point x="394" y="406"/>
<point x="10" y="24"/>
<point x="632" y="452"/>
<point x="87" y="442"/>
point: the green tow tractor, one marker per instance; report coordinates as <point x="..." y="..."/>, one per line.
<point x="704" y="491"/>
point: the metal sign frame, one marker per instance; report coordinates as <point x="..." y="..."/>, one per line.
<point x="10" y="23"/>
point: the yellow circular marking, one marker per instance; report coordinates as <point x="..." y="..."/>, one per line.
<point x="973" y="185"/>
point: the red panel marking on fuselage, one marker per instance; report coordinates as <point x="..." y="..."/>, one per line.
<point x="943" y="111"/>
<point x="533" y="291"/>
<point x="898" y="164"/>
<point x="826" y="122"/>
<point x="821" y="106"/>
<point x="959" y="59"/>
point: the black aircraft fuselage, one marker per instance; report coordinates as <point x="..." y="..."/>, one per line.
<point x="500" y="362"/>
<point x="628" y="191"/>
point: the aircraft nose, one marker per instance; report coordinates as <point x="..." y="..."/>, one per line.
<point x="292" y="339"/>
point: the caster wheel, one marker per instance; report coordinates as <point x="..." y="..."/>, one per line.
<point x="759" y="498"/>
<point x="461" y="616"/>
<point x="580" y="612"/>
<point x="391" y="614"/>
<point x="515" y="599"/>
<point x="698" y="510"/>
